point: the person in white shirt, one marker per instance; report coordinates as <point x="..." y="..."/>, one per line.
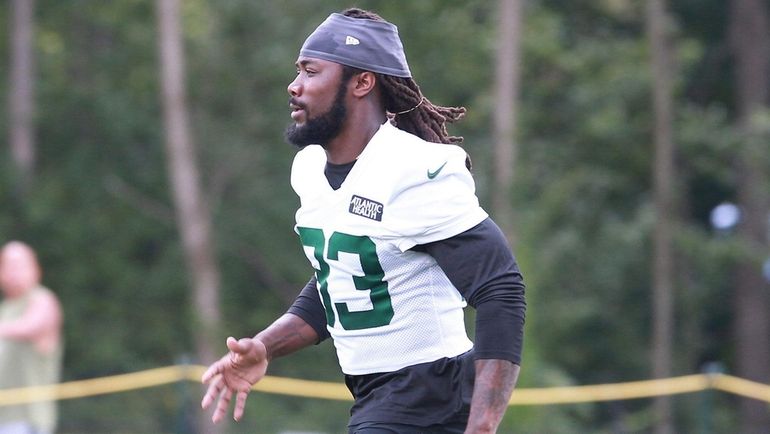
<point x="30" y="339"/>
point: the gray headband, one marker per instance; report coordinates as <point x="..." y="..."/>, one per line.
<point x="361" y="43"/>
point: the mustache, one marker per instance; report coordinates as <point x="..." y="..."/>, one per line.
<point x="293" y="102"/>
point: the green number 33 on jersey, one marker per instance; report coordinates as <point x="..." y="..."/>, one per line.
<point x="372" y="280"/>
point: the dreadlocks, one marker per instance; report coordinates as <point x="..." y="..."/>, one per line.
<point x="407" y="108"/>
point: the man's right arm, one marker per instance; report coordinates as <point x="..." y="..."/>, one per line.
<point x="308" y="306"/>
<point x="286" y="335"/>
<point x="246" y="362"/>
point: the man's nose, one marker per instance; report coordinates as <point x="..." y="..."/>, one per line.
<point x="294" y="88"/>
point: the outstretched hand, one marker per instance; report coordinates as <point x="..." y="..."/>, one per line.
<point x="234" y="373"/>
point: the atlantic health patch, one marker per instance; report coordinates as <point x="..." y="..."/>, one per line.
<point x="366" y="208"/>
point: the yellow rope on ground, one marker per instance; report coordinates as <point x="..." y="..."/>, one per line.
<point x="338" y="391"/>
<point x="739" y="386"/>
<point x="610" y="392"/>
<point x="95" y="386"/>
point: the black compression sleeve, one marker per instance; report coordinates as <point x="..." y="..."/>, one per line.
<point x="308" y="306"/>
<point x="479" y="263"/>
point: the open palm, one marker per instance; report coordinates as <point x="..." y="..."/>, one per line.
<point x="235" y="373"/>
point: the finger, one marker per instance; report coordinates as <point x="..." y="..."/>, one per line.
<point x="222" y="405"/>
<point x="240" y="346"/>
<point x="213" y="370"/>
<point x="240" y="405"/>
<point x="214" y="389"/>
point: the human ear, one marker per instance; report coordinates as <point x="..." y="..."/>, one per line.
<point x="365" y="82"/>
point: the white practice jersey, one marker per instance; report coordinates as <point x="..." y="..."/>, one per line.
<point x="387" y="307"/>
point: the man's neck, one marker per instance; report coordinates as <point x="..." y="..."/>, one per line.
<point x="352" y="140"/>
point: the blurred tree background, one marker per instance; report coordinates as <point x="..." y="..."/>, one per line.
<point x="97" y="201"/>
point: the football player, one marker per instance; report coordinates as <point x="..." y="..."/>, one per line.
<point x="391" y="224"/>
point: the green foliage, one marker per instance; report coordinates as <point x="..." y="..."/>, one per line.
<point x="101" y="217"/>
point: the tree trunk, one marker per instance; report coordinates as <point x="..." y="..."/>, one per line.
<point x="507" y="91"/>
<point x="749" y="30"/>
<point x="21" y="99"/>
<point x="663" y="174"/>
<point x="191" y="212"/>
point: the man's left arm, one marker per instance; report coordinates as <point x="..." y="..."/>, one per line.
<point x="495" y="380"/>
<point x="499" y="333"/>
<point x="479" y="263"/>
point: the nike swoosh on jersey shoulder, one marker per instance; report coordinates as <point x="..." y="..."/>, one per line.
<point x="433" y="174"/>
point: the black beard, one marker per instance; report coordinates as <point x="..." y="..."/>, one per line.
<point x="321" y="129"/>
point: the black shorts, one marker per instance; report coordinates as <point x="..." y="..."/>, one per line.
<point x="397" y="428"/>
<point x="434" y="394"/>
